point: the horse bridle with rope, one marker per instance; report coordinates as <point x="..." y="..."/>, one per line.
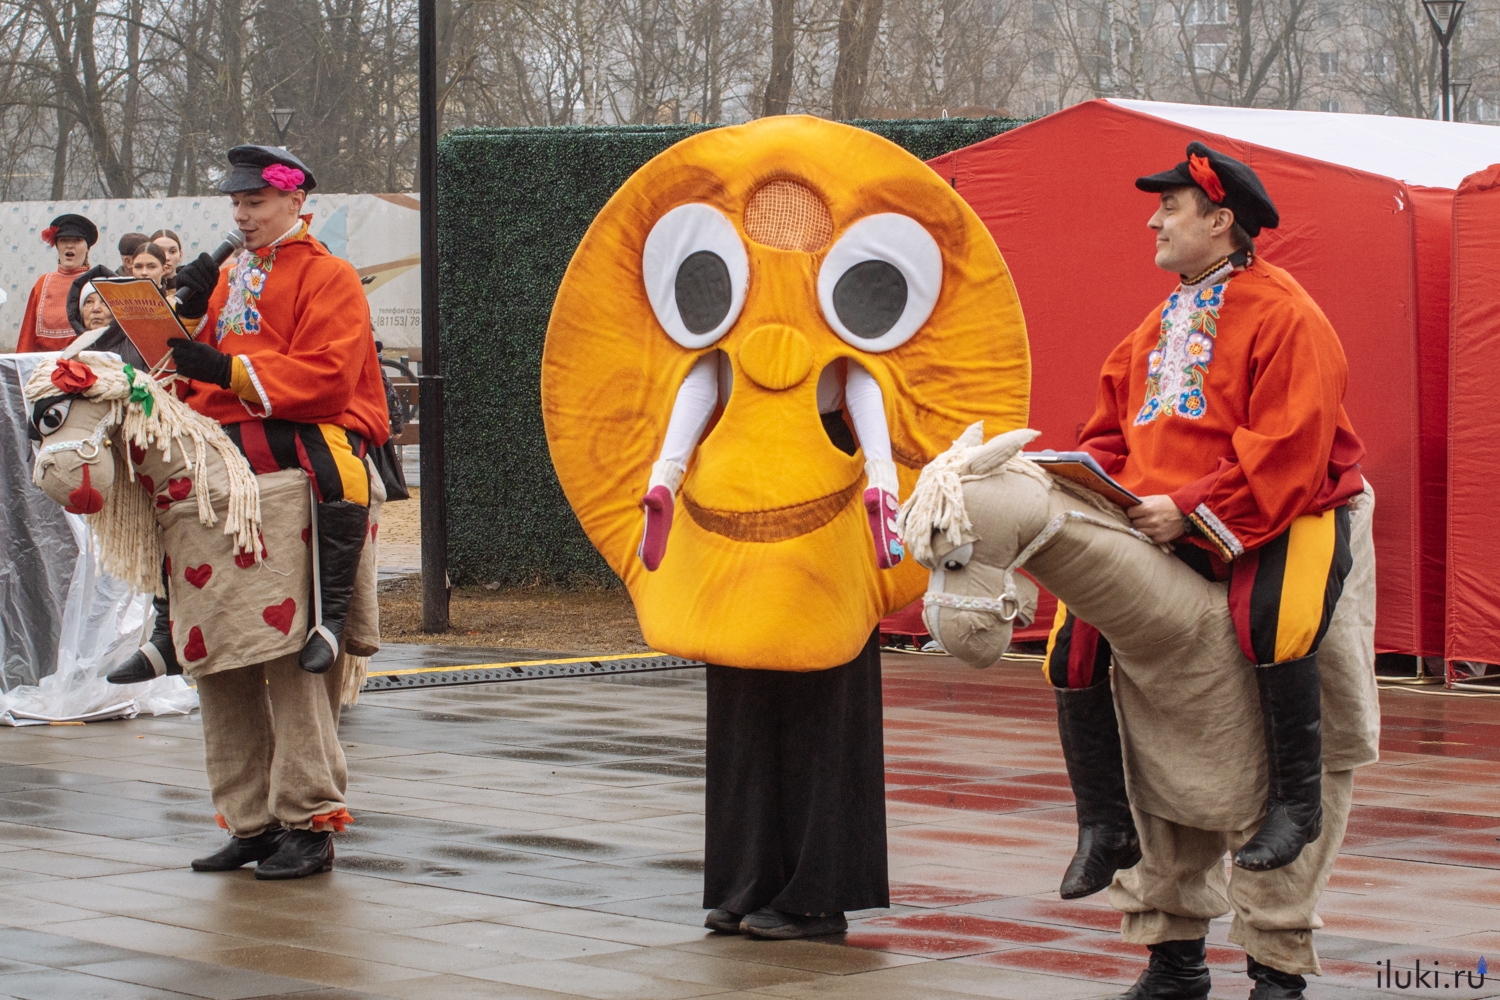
<point x="1008" y="605"/>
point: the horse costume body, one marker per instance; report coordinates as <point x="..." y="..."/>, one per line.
<point x="1185" y="694"/>
<point x="165" y="490"/>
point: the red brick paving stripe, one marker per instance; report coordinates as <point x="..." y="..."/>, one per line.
<point x="1063" y="963"/>
<point x="954" y="800"/>
<point x="935" y="896"/>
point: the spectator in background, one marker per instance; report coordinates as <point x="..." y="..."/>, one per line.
<point x="129" y="244"/>
<point x="45" y="327"/>
<point x="150" y="262"/>
<point x="172" y="244"/>
<point x="93" y="310"/>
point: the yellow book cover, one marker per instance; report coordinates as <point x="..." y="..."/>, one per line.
<point x="143" y="313"/>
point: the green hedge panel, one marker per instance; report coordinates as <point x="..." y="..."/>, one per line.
<point x="513" y="205"/>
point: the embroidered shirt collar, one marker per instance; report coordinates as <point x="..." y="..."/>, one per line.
<point x="1220" y="269"/>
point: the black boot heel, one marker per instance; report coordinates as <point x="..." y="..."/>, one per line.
<point x="1107" y="839"/>
<point x="1290" y="705"/>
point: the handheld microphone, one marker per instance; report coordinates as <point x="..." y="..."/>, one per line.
<point x="234" y="241"/>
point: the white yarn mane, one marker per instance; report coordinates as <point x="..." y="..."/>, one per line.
<point x="129" y="542"/>
<point x="937" y="503"/>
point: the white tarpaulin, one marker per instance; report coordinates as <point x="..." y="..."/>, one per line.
<point x="1414" y="150"/>
<point x="63" y="624"/>
<point x="377" y="233"/>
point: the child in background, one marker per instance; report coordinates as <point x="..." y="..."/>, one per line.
<point x="128" y="245"/>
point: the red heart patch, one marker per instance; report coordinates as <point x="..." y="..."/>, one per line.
<point x="168" y="561"/>
<point x="180" y="488"/>
<point x="194" y="650"/>
<point x="279" y="616"/>
<point x="137" y="453"/>
<point x="244" y="560"/>
<point x="147" y="482"/>
<point x="374" y="529"/>
<point x="306" y="536"/>
<point x="163" y="502"/>
<point x="198" y="575"/>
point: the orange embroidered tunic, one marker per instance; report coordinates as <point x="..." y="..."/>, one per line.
<point x="297" y="320"/>
<point x="45" y="326"/>
<point x="1229" y="398"/>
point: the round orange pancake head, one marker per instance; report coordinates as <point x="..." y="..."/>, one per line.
<point x="770" y="562"/>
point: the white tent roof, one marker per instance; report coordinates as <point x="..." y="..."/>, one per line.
<point x="1414" y="150"/>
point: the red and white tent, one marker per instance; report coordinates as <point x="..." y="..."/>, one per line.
<point x="1368" y="227"/>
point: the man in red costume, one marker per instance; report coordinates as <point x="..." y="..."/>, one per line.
<point x="285" y="360"/>
<point x="45" y="326"/>
<point x="1223" y="412"/>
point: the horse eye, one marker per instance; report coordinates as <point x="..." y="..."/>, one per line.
<point x="959" y="557"/>
<point x="52" y="420"/>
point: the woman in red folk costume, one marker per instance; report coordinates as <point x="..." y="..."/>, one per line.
<point x="45" y="326"/>
<point x="285" y="360"/>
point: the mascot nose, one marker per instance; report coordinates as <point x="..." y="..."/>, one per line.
<point x="776" y="357"/>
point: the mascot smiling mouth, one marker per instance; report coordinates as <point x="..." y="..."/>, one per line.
<point x="776" y="525"/>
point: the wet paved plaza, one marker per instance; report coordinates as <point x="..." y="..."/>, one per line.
<point x="543" y="839"/>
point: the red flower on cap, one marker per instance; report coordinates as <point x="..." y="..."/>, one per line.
<point x="1203" y="173"/>
<point x="49" y="236"/>
<point x="282" y="177"/>
<point x="73" y="376"/>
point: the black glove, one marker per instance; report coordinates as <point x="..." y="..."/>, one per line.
<point x="201" y="362"/>
<point x="196" y="279"/>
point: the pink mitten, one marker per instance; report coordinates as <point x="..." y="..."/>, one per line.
<point x="658" y="506"/>
<point x="882" y="508"/>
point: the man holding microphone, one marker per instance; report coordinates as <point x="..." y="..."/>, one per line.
<point x="285" y="360"/>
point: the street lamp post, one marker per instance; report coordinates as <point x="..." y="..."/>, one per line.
<point x="1460" y="91"/>
<point x="281" y="118"/>
<point x="430" y="382"/>
<point x="1443" y="16"/>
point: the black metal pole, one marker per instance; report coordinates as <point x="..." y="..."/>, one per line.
<point x="1447" y="84"/>
<point x="430" y="382"/>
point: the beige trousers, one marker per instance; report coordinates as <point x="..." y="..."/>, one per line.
<point x="271" y="744"/>
<point x="1181" y="883"/>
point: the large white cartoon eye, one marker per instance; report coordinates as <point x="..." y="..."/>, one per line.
<point x="880" y="281"/>
<point x="695" y="269"/>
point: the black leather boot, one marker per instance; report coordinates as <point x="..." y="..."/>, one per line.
<point x="1273" y="984"/>
<point x="302" y="853"/>
<point x="341" y="540"/>
<point x="1178" y="970"/>
<point x="1290" y="706"/>
<point x="240" y="851"/>
<point x="157" y="658"/>
<point x="1107" y="840"/>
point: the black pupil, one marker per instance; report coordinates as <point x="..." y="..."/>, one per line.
<point x="52" y="419"/>
<point x="703" y="291"/>
<point x="870" y="297"/>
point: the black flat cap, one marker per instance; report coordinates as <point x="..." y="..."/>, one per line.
<point x="70" y="225"/>
<point x="1225" y="180"/>
<point x="248" y="166"/>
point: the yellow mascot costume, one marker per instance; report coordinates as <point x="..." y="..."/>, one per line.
<point x="763" y="337"/>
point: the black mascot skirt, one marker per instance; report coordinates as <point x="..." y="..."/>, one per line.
<point x="796" y="789"/>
